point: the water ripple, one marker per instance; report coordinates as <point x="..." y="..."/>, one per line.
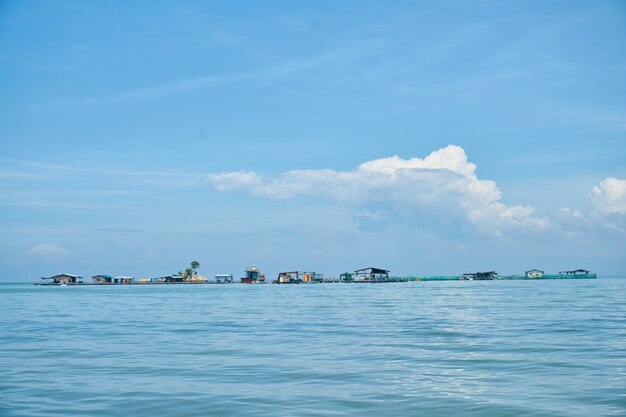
<point x="511" y="348"/>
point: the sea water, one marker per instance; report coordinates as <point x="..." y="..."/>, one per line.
<point x="497" y="348"/>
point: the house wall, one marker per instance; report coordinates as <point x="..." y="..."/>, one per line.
<point x="64" y="280"/>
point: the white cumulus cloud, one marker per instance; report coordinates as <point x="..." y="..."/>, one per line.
<point x="608" y="205"/>
<point x="609" y="196"/>
<point x="607" y="211"/>
<point x="442" y="185"/>
<point x="48" y="251"/>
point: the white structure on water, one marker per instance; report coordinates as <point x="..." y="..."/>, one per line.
<point x="224" y="278"/>
<point x="534" y="273"/>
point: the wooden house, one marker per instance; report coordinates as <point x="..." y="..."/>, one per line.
<point x="102" y="279"/>
<point x="63" y="279"/>
<point x="298" y="277"/>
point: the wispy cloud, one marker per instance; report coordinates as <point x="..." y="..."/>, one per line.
<point x="118" y="230"/>
<point x="48" y="251"/>
<point x="21" y="175"/>
<point x="48" y="204"/>
<point x="119" y="171"/>
<point x="35" y="62"/>
<point x="220" y="39"/>
<point x="263" y="73"/>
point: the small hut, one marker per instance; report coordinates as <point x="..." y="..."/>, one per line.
<point x="123" y="280"/>
<point x="534" y="273"/>
<point x="102" y="279"/>
<point x="171" y="279"/>
<point x="224" y="278"/>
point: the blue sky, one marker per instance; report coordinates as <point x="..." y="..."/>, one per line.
<point x="423" y="137"/>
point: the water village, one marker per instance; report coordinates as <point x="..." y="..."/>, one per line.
<point x="252" y="275"/>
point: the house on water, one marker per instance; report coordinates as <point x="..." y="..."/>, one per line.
<point x="102" y="279"/>
<point x="223" y="278"/>
<point x="346" y="277"/>
<point x="123" y="280"/>
<point x="62" y="279"/>
<point x="171" y="279"/>
<point x="577" y="273"/>
<point x="298" y="277"/>
<point x="534" y="273"/>
<point x="486" y="275"/>
<point x="253" y="276"/>
<point x="479" y="276"/>
<point x="371" y="275"/>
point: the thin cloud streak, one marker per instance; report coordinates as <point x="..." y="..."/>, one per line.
<point x="118" y="230"/>
<point x="121" y="172"/>
<point x="264" y="73"/>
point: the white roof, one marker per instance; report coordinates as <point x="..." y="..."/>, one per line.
<point x="64" y="275"/>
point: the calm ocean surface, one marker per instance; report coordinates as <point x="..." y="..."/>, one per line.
<point x="500" y="348"/>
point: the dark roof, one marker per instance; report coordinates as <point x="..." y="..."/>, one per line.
<point x="62" y="275"/>
<point x="103" y="276"/>
<point x="373" y="270"/>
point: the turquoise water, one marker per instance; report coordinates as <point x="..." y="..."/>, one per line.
<point x="499" y="348"/>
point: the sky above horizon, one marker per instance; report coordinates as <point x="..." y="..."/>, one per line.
<point x="426" y="138"/>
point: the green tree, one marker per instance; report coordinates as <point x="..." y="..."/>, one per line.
<point x="188" y="272"/>
<point x="194" y="266"/>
